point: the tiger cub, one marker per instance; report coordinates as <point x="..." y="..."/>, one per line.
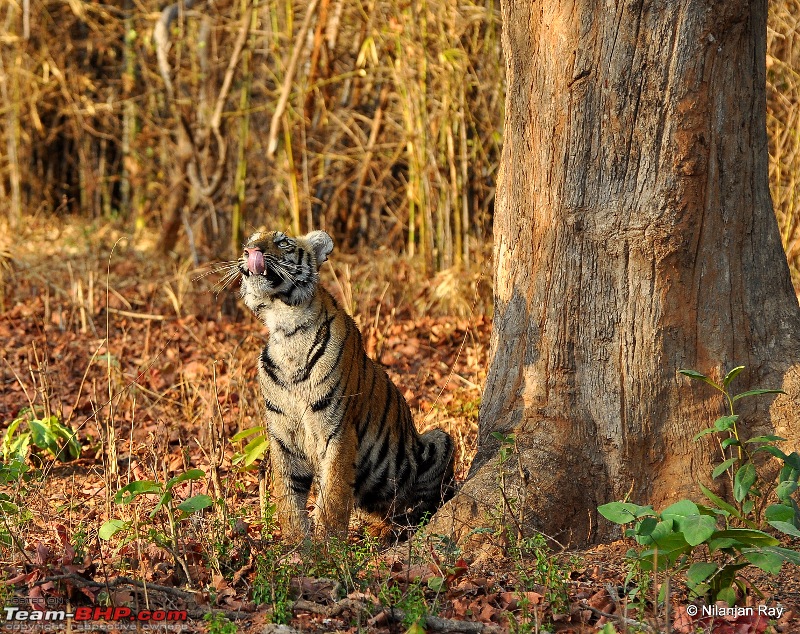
<point x="334" y="417"/>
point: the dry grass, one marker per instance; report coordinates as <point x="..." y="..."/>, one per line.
<point x="378" y="120"/>
<point x="783" y="124"/>
<point x="138" y="341"/>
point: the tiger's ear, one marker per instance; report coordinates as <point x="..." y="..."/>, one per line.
<point x="322" y="244"/>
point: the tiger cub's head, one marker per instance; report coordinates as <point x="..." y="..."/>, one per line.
<point x="275" y="266"/>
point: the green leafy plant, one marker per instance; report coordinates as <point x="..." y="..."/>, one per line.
<point x="271" y="585"/>
<point x="255" y="449"/>
<point x="349" y="562"/>
<point x="753" y="503"/>
<point x="175" y="512"/>
<point x="14" y="473"/>
<point x="537" y="566"/>
<point x="410" y="599"/>
<point x="46" y="434"/>
<point x="673" y="535"/>
<point x="218" y="623"/>
<point x="669" y="539"/>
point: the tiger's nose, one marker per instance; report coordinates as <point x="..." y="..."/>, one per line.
<point x="255" y="260"/>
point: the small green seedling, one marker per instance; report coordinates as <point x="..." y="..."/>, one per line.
<point x="48" y="434"/>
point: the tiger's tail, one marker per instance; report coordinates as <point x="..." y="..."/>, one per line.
<point x="435" y="483"/>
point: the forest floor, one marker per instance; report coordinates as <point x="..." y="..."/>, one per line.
<point x="154" y="367"/>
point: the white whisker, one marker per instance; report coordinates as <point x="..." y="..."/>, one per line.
<point x="225" y="266"/>
<point x="226" y="281"/>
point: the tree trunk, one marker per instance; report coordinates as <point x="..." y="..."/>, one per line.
<point x="634" y="236"/>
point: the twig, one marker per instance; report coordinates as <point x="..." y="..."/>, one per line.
<point x="620" y="619"/>
<point x="119" y="581"/>
<point x="435" y="623"/>
<point x="127" y="581"/>
<point x="83" y="381"/>
<point x="206" y="191"/>
<point x="129" y="313"/>
<point x="272" y="144"/>
<point x="161" y="38"/>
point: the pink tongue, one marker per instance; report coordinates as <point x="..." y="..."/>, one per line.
<point x="255" y="261"/>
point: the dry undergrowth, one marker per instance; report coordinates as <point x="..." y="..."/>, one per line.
<point x="783" y="124"/>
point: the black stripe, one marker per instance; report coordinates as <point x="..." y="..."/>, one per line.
<point x="339" y="354"/>
<point x="304" y="326"/>
<point x="382" y="453"/>
<point x="270" y="368"/>
<point x="364" y="423"/>
<point x="284" y="447"/>
<point x="426" y="463"/>
<point x="347" y="398"/>
<point x="405" y="469"/>
<point x="335" y="433"/>
<point x="387" y="405"/>
<point x="355" y="401"/>
<point x="377" y="492"/>
<point x="381" y="465"/>
<point x="272" y="407"/>
<point x="321" y="344"/>
<point x="364" y="469"/>
<point x="363" y="426"/>
<point x="300" y="483"/>
<point x="400" y="454"/>
<point x="382" y="427"/>
<point x="288" y="297"/>
<point x="323" y="402"/>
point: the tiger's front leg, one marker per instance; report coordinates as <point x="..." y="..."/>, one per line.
<point x="335" y="490"/>
<point x="291" y="484"/>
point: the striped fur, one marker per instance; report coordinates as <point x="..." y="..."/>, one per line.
<point x="334" y="417"/>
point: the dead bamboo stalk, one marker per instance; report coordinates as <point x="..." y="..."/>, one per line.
<point x="275" y="124"/>
<point x="12" y="127"/>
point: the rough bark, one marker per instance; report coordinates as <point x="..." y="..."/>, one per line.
<point x="634" y="235"/>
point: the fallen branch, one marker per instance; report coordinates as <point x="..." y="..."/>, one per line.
<point x="83" y="582"/>
<point x="620" y="619"/>
<point x="434" y="623"/>
<point x="185" y="595"/>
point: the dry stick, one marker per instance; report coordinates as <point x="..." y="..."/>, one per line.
<point x="315" y="55"/>
<point x="12" y="127"/>
<point x="216" y="117"/>
<point x="20" y="546"/>
<point x="161" y="38"/>
<point x="620" y="619"/>
<point x="44" y="385"/>
<point x="83" y="381"/>
<point x="395" y="614"/>
<point x="216" y="454"/>
<point x="294" y="194"/>
<point x="21" y="384"/>
<point x="186" y="595"/>
<point x="129" y="313"/>
<point x="111" y="432"/>
<point x="240" y="174"/>
<point x="274" y="127"/>
<point x="332" y="26"/>
<point x="370" y="148"/>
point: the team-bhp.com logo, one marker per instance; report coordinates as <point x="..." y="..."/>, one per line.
<point x="85" y="613"/>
